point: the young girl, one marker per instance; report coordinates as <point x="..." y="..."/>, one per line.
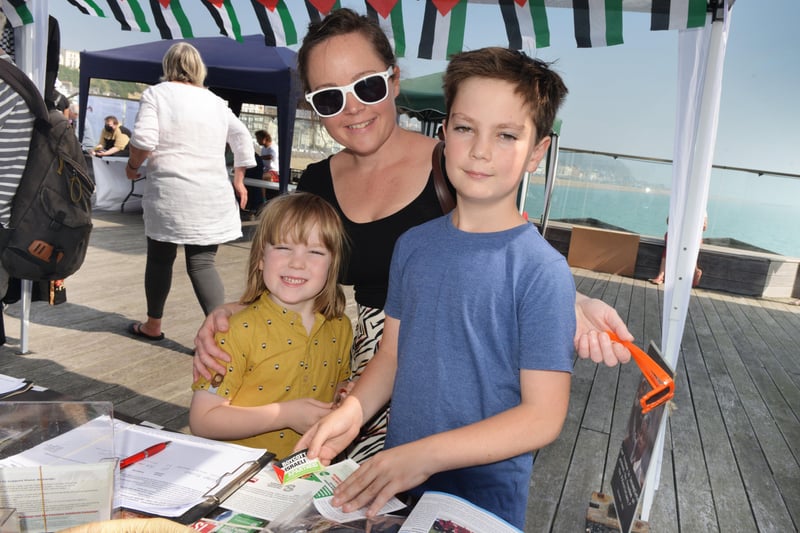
<point x="290" y="345"/>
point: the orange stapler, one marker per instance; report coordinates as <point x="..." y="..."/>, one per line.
<point x="663" y="386"/>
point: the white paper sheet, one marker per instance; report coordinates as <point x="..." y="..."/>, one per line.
<point x="166" y="484"/>
<point x="51" y="498"/>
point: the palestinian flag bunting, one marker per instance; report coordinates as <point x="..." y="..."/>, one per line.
<point x="677" y="14"/>
<point x="389" y="16"/>
<point x="597" y="22"/>
<point x="526" y="24"/>
<point x="88" y="7"/>
<point x="442" y="29"/>
<point x="129" y="14"/>
<point x="318" y="9"/>
<point x="276" y="22"/>
<point x="17" y="12"/>
<point x="225" y="17"/>
<point x="170" y="19"/>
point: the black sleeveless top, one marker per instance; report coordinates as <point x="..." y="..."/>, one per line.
<point x="371" y="243"/>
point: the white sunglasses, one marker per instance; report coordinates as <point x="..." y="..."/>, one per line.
<point x="371" y="89"/>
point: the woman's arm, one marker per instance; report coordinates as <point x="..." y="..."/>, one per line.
<point x="238" y="186"/>
<point x="135" y="160"/>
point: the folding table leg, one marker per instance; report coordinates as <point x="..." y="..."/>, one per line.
<point x="27" y="290"/>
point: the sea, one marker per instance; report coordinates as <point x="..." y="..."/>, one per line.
<point x="763" y="212"/>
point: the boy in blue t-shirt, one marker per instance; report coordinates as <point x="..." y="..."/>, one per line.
<point x="477" y="347"/>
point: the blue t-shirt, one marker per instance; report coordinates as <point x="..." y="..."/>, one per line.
<point x="474" y="309"/>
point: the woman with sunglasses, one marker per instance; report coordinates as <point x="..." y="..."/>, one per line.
<point x="381" y="184"/>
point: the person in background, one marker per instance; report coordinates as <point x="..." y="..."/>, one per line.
<point x="269" y="153"/>
<point x="659" y="279"/>
<point x="112" y="141"/>
<point x="381" y="184"/>
<point x="189" y="199"/>
<point x="294" y="312"/>
<point x="255" y="195"/>
<point x="72" y="114"/>
<point x="494" y="390"/>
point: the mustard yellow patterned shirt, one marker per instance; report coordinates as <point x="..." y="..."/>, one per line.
<point x="274" y="359"/>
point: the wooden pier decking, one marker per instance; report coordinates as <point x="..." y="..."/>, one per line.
<point x="732" y="453"/>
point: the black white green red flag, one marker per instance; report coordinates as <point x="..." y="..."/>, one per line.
<point x="276" y="22"/>
<point x="88" y="7"/>
<point x="597" y="22"/>
<point x="224" y="16"/>
<point x="677" y="14"/>
<point x="442" y="29"/>
<point x="319" y="9"/>
<point x="170" y="19"/>
<point x="283" y="22"/>
<point x="389" y="15"/>
<point x="129" y="14"/>
<point x="526" y="24"/>
<point x="19" y="15"/>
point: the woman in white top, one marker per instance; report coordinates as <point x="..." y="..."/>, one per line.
<point x="181" y="130"/>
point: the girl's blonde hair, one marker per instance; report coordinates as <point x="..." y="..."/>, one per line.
<point x="290" y="218"/>
<point x="182" y="62"/>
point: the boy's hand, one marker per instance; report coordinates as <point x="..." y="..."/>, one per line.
<point x="330" y="436"/>
<point x="593" y="318"/>
<point x="207" y="353"/>
<point x="380" y="478"/>
<point x="305" y="412"/>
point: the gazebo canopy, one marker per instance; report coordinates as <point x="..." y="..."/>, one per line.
<point x="247" y="72"/>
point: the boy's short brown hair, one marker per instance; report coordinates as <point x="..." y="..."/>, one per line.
<point x="540" y="87"/>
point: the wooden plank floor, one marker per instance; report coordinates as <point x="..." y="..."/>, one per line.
<point x="732" y="454"/>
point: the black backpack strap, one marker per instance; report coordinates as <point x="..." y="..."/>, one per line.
<point x="23" y="85"/>
<point x="446" y="199"/>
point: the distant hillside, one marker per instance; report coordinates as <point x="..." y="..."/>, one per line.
<point x="119" y="89"/>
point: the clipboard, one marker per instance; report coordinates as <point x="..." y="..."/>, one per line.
<point x="226" y="485"/>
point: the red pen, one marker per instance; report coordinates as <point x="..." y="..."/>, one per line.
<point x="144" y="454"/>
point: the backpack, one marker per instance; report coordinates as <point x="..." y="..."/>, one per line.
<point x="51" y="212"/>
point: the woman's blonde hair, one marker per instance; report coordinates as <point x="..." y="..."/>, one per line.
<point x="182" y="62"/>
<point x="290" y="218"/>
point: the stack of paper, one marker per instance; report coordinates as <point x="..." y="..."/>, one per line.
<point x="9" y="385"/>
<point x="189" y="472"/>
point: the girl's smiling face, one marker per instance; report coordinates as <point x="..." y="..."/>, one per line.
<point x="295" y="273"/>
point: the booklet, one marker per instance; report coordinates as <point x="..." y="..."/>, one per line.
<point x="266" y="505"/>
<point x="438" y="511"/>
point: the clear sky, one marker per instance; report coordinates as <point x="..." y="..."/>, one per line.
<point x="622" y="98"/>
